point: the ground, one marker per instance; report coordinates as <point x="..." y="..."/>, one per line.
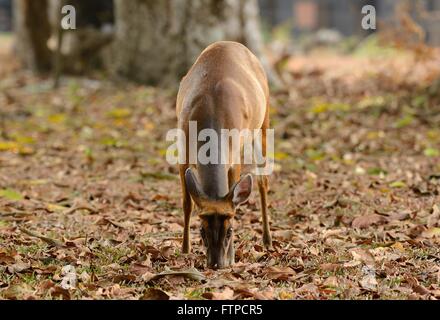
<point x="90" y="209"/>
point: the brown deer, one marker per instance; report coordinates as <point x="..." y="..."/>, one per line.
<point x="226" y="88"/>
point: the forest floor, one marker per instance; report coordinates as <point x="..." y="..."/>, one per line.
<point x="90" y="209"/>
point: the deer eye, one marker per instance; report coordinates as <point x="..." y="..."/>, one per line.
<point x="229" y="232"/>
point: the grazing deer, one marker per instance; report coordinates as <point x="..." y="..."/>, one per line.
<point x="226" y="88"/>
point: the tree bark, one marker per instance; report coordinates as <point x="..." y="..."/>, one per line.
<point x="32" y="30"/>
<point x="157" y="41"/>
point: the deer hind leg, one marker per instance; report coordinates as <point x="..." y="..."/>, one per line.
<point x="263" y="185"/>
<point x="187" y="208"/>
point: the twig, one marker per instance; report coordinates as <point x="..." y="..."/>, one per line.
<point x="15" y="214"/>
<point x="81" y="207"/>
<point x="49" y="241"/>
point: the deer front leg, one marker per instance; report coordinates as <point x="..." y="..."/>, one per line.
<point x="187" y="208"/>
<point x="262" y="188"/>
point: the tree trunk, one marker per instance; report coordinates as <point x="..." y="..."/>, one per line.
<point x="157" y="41"/>
<point x="32" y="30"/>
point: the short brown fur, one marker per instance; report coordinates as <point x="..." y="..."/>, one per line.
<point x="226" y="88"/>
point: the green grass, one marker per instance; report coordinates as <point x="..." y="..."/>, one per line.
<point x="31" y="249"/>
<point x="195" y="294"/>
<point x="370" y="47"/>
<point x="5" y="36"/>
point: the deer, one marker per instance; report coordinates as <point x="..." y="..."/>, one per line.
<point x="226" y="88"/>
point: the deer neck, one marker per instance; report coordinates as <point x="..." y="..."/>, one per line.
<point x="213" y="177"/>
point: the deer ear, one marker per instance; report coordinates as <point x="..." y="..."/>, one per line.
<point x="193" y="187"/>
<point x="242" y="190"/>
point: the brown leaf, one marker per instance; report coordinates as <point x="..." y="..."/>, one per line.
<point x="159" y="197"/>
<point x="155" y="253"/>
<point x="418" y="288"/>
<point x="148" y="276"/>
<point x="6" y="259"/>
<point x="363" y="255"/>
<point x="154" y="294"/>
<point x="176" y="280"/>
<point x="331" y="281"/>
<point x="329" y="266"/>
<point x="399" y="216"/>
<point x="267" y="294"/>
<point x="367" y="220"/>
<point x="308" y="288"/>
<point x="283" y="235"/>
<point x="226" y="294"/>
<point x="369" y="282"/>
<point x="279" y="274"/>
<point x="16" y="291"/>
<point x="431" y="233"/>
<point x="139" y="269"/>
<point x="58" y="291"/>
<point x="49" y="241"/>
<point x="167" y="251"/>
<point x="191" y="273"/>
<point x="434" y="218"/>
<point x="46" y="285"/>
<point x="18" y="267"/>
<point x="243" y="293"/>
<point x="173" y="227"/>
<point x="118" y="278"/>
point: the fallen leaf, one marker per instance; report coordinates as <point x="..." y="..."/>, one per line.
<point x="58" y="291"/>
<point x="420" y="289"/>
<point x="139" y="269"/>
<point x="329" y="266"/>
<point x="6" y="259"/>
<point x="18" y="267"/>
<point x="399" y="216"/>
<point x="280" y="274"/>
<point x="352" y="263"/>
<point x="49" y="241"/>
<point x="363" y="255"/>
<point x="434" y="217"/>
<point x="431" y="233"/>
<point x="16" y="291"/>
<point x="331" y="281"/>
<point x="398" y="246"/>
<point x="154" y="294"/>
<point x="431" y="152"/>
<point x="226" y="294"/>
<point x="85" y="277"/>
<point x="284" y="235"/>
<point x="369" y="282"/>
<point x="118" y="278"/>
<point x="398" y="184"/>
<point x="10" y="194"/>
<point x="285" y="295"/>
<point x="367" y="220"/>
<point x="191" y="273"/>
<point x="308" y="288"/>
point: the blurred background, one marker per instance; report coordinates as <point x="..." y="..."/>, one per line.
<point x="155" y="42"/>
